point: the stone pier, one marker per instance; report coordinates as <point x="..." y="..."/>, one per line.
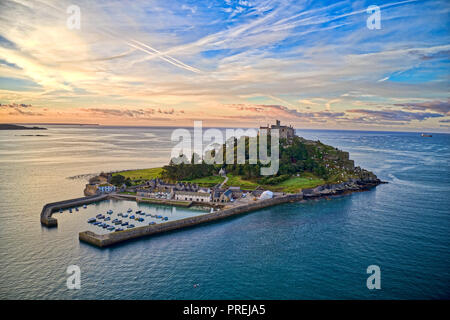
<point x="49" y="208"/>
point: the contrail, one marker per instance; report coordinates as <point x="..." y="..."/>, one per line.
<point x="152" y="51"/>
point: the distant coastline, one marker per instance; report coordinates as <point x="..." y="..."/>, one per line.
<point x="5" y="126"/>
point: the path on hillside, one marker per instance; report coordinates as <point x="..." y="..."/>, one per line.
<point x="223" y="182"/>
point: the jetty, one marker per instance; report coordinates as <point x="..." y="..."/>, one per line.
<point x="109" y="239"/>
<point x="49" y="208"/>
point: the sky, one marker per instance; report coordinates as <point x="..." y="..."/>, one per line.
<point x="228" y="63"/>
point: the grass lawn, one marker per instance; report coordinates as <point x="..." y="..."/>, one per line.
<point x="295" y="184"/>
<point x="291" y="185"/>
<point x="146" y="174"/>
<point x="237" y="181"/>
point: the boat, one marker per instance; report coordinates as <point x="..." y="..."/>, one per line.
<point x="141" y="219"/>
<point x="129" y="210"/>
<point x="96" y="223"/>
<point x="138" y="212"/>
<point x="426" y="135"/>
<point x="130" y="226"/>
<point x="120" y="214"/>
<point x="60" y="210"/>
<point x="110" y="228"/>
<point x="109" y="212"/>
<point x="92" y="220"/>
<point x="76" y="208"/>
<point x="125" y="215"/>
<point x="70" y="210"/>
<point x="165" y="218"/>
<point x="107" y="218"/>
<point x="119" y="229"/>
<point x="153" y="222"/>
<point x="105" y="226"/>
<point x="124" y="223"/>
<point x="132" y="216"/>
<point x="85" y="206"/>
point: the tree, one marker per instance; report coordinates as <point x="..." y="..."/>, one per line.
<point x="118" y="180"/>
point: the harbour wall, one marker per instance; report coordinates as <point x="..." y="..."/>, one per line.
<point x="121" y="236"/>
<point x="49" y="208"/>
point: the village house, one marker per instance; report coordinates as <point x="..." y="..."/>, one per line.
<point x="106" y="188"/>
<point x="192" y="196"/>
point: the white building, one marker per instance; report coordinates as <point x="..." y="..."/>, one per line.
<point x="106" y="188"/>
<point x="192" y="196"/>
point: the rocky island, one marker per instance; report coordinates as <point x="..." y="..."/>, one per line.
<point x="307" y="169"/>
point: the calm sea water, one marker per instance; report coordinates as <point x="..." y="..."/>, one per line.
<point x="316" y="249"/>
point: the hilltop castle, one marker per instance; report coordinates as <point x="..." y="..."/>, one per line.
<point x="286" y="132"/>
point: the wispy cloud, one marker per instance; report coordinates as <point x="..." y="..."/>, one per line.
<point x="309" y="62"/>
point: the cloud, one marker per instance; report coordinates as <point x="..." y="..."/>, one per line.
<point x="289" y="114"/>
<point x="16" y="105"/>
<point x="260" y="54"/>
<point x="20" y="109"/>
<point x="435" y="105"/>
<point x="142" y="113"/>
<point x="395" y="115"/>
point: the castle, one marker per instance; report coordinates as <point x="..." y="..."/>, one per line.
<point x="286" y="132"/>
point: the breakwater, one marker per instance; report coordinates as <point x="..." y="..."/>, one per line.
<point x="121" y="236"/>
<point x="49" y="208"/>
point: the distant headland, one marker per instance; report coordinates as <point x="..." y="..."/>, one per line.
<point x="7" y="126"/>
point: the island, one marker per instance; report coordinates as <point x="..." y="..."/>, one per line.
<point x="7" y="126"/>
<point x="307" y="169"/>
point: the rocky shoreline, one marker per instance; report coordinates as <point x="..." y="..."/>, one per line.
<point x="353" y="185"/>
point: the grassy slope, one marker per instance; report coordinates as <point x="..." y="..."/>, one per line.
<point x="293" y="184"/>
<point x="141" y="173"/>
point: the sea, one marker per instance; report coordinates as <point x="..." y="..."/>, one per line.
<point x="316" y="249"/>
